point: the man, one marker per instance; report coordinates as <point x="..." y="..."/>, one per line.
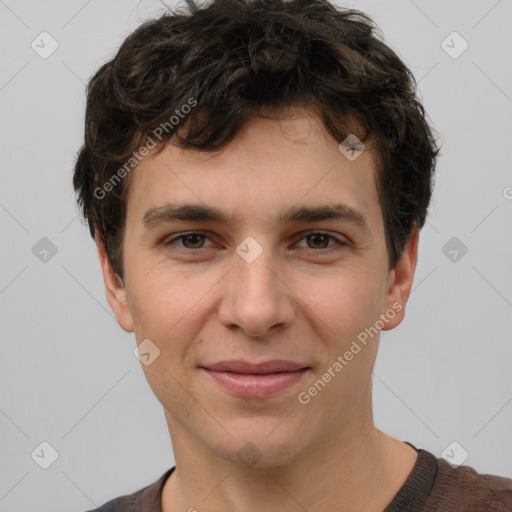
<point x="255" y="175"/>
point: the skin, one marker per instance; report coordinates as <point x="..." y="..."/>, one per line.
<point x="292" y="302"/>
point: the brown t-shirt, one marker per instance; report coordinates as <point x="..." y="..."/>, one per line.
<point x="433" y="485"/>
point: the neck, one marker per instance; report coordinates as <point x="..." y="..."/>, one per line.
<point x="356" y="468"/>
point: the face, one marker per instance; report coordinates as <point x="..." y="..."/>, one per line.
<point x="263" y="279"/>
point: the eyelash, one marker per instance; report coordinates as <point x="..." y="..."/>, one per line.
<point x="338" y="245"/>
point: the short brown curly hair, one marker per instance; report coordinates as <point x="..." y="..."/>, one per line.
<point x="236" y="59"/>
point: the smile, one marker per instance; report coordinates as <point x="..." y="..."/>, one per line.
<point x="251" y="385"/>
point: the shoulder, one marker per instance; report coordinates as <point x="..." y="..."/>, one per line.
<point x="462" y="488"/>
<point x="147" y="499"/>
<point x="124" y="503"/>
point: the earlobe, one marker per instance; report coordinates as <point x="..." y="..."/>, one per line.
<point x="400" y="283"/>
<point x="115" y="289"/>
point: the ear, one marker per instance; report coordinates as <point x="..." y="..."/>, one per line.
<point x="400" y="283"/>
<point x="115" y="289"/>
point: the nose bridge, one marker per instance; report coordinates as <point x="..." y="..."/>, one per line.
<point x="254" y="298"/>
<point x="252" y="268"/>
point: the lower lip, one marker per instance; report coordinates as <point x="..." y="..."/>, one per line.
<point x="256" y="386"/>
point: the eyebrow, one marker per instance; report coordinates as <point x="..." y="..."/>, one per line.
<point x="194" y="212"/>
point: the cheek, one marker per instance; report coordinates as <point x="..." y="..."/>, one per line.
<point x="172" y="307"/>
<point x="161" y="297"/>
<point x="167" y="308"/>
<point x="347" y="300"/>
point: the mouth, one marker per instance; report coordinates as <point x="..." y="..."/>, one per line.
<point x="255" y="380"/>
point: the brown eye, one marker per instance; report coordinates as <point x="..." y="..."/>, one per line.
<point x="187" y="241"/>
<point x="196" y="240"/>
<point x="319" y="242"/>
<point x="318" y="239"/>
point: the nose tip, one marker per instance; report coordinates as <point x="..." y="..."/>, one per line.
<point x="254" y="299"/>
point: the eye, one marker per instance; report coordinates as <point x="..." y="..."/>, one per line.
<point x="318" y="240"/>
<point x="189" y="241"/>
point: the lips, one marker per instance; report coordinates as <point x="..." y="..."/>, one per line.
<point x="264" y="367"/>
<point x="256" y="380"/>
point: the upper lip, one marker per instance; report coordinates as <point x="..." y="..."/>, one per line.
<point x="271" y="366"/>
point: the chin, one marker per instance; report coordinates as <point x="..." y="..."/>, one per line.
<point x="261" y="443"/>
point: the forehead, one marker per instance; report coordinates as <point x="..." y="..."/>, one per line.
<point x="272" y="165"/>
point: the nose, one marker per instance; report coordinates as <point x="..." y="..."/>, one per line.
<point x="256" y="297"/>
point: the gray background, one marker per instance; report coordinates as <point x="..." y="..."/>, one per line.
<point x="68" y="373"/>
